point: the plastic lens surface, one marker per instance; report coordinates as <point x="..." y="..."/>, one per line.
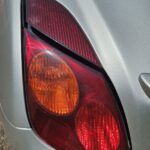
<point x="53" y="83"/>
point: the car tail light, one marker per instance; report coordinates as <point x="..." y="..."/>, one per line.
<point x="50" y="18"/>
<point x="70" y="103"/>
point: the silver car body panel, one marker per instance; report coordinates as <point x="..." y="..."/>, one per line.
<point x="120" y="34"/>
<point x="11" y="81"/>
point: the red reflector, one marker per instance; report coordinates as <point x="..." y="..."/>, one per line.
<point x="97" y="128"/>
<point x="52" y="19"/>
<point x="95" y="124"/>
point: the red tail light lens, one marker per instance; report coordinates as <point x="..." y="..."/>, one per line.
<point x="73" y="107"/>
<point x="97" y="128"/>
<point x="52" y="19"/>
<point x="70" y="104"/>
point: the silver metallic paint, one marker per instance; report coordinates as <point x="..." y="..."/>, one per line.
<point x="11" y="87"/>
<point x="144" y="80"/>
<point x="120" y="34"/>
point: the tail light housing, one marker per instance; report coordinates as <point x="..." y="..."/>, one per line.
<point x="69" y="100"/>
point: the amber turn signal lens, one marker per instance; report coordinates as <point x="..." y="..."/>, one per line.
<point x="53" y="83"/>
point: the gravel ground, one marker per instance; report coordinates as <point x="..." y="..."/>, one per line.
<point x="3" y="139"/>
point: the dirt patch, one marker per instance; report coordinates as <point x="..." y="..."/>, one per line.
<point x="3" y="138"/>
